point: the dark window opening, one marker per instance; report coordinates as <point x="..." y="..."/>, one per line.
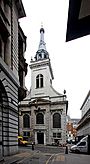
<point x="26" y="134"/>
<point x="40" y="56"/>
<point x="56" y="135"/>
<point x="56" y="120"/>
<point x="45" y="56"/>
<point x="26" y="121"/>
<point x="39" y="118"/>
<point x="39" y="81"/>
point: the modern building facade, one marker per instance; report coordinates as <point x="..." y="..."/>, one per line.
<point x="83" y="128"/>
<point x="71" y="129"/>
<point x="42" y="114"/>
<point x="11" y="36"/>
<point x="78" y="23"/>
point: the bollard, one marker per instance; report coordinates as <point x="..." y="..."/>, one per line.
<point x="66" y="151"/>
<point x="32" y="146"/>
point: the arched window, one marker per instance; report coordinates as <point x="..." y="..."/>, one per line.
<point x="39" y="81"/>
<point x="26" y="121"/>
<point x="39" y="118"/>
<point x="56" y="120"/>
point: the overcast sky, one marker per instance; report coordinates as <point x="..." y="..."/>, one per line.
<point x="70" y="61"/>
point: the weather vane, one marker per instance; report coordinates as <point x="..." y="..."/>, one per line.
<point x="42" y="24"/>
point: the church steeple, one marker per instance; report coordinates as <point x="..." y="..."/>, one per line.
<point x="42" y="44"/>
<point x="42" y="52"/>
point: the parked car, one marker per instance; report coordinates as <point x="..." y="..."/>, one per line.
<point x="22" y="142"/>
<point x="83" y="146"/>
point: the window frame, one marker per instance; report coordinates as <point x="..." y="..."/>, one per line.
<point x="26" y="121"/>
<point x="38" y="121"/>
<point x="39" y="81"/>
<point x="56" y="122"/>
<point x="57" y="135"/>
<point x="26" y="133"/>
<point x="83" y="143"/>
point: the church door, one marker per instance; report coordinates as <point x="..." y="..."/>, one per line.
<point x="40" y="138"/>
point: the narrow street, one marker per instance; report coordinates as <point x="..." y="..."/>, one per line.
<point x="46" y="155"/>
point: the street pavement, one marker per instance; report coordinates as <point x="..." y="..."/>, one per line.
<point x="70" y="159"/>
<point x="45" y="155"/>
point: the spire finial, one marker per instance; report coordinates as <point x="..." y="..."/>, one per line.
<point x="41" y="24"/>
<point x="42" y="29"/>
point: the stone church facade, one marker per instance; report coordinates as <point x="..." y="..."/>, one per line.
<point x="42" y="114"/>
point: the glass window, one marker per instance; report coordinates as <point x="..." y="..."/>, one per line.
<point x="82" y="143"/>
<point x="39" y="118"/>
<point x="26" y="134"/>
<point x="56" y="120"/>
<point x="26" y="121"/>
<point x="54" y="135"/>
<point x="39" y="81"/>
<point x="58" y="135"/>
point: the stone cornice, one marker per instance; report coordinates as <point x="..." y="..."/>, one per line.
<point x="35" y="64"/>
<point x="59" y="102"/>
<point x="84" y="121"/>
<point x="44" y="62"/>
<point x="44" y="103"/>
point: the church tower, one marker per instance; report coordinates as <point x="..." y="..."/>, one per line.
<point x="43" y="112"/>
<point x="41" y="70"/>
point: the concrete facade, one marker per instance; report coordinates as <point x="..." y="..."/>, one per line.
<point x="10" y="12"/>
<point x="83" y="128"/>
<point x="44" y="106"/>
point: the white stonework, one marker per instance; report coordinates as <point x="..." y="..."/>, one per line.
<point x="43" y="99"/>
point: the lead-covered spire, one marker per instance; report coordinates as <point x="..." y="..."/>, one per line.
<point x="42" y="52"/>
<point x="42" y="44"/>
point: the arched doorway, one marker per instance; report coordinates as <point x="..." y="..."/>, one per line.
<point x="3" y="104"/>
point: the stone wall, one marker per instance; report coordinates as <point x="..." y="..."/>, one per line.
<point x="10" y="112"/>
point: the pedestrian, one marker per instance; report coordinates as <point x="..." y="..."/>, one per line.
<point x="32" y="146"/>
<point x="66" y="151"/>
